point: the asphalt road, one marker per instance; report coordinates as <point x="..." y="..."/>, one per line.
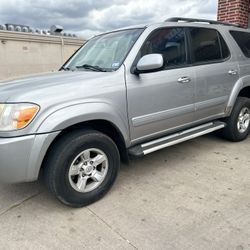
<point x="195" y="195"/>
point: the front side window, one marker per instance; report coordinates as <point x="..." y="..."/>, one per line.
<point x="105" y="52"/>
<point x="243" y="41"/>
<point x="207" y="45"/>
<point x="170" y="42"/>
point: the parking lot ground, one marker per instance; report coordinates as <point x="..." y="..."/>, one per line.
<point x="195" y="195"/>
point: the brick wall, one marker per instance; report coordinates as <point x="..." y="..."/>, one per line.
<point x="234" y="11"/>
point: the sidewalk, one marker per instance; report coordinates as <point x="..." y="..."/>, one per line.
<point x="195" y="195"/>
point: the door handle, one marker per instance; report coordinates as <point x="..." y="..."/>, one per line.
<point x="184" y="79"/>
<point x="232" y="72"/>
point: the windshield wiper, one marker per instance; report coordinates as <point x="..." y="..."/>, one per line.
<point x="91" y="67"/>
<point x="67" y="69"/>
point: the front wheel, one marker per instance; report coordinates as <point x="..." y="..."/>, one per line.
<point x="238" y="124"/>
<point x="82" y="167"/>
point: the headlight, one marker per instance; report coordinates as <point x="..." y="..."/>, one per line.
<point x="15" y="116"/>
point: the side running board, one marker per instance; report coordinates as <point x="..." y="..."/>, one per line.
<point x="170" y="140"/>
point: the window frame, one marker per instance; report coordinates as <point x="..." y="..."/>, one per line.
<point x="219" y="35"/>
<point x="188" y="59"/>
<point x="102" y="34"/>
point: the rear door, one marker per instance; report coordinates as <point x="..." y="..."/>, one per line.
<point x="216" y="72"/>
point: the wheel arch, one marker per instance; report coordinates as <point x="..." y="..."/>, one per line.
<point x="245" y="92"/>
<point x="241" y="88"/>
<point x="103" y="126"/>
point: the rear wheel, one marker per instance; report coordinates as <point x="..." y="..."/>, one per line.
<point x="82" y="167"/>
<point x="238" y="124"/>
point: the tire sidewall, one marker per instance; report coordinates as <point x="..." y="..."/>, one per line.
<point x="62" y="187"/>
<point x="241" y="103"/>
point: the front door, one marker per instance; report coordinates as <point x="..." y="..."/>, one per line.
<point x="162" y="101"/>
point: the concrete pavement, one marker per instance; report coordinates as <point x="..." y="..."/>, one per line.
<point x="195" y="195"/>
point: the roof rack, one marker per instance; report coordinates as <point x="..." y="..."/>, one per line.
<point x="196" y="20"/>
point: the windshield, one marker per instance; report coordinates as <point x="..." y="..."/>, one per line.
<point x="105" y="52"/>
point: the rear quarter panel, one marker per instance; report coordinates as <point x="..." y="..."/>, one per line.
<point x="243" y="70"/>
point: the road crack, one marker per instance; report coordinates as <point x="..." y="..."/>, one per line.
<point x="111" y="228"/>
<point x="18" y="204"/>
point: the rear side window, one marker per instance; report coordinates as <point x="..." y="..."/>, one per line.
<point x="207" y="45"/>
<point x="243" y="41"/>
<point x="224" y="48"/>
<point x="171" y="43"/>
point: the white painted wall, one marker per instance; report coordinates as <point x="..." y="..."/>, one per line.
<point x="25" y="53"/>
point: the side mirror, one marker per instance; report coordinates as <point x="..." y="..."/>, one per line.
<point x="149" y="63"/>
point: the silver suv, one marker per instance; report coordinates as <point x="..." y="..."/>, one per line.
<point x="124" y="94"/>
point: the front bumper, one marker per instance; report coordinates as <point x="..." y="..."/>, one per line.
<point x="21" y="157"/>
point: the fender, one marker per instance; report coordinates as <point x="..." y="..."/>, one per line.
<point x="239" y="85"/>
<point x="78" y="113"/>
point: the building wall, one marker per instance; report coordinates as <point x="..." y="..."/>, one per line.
<point x="234" y="11"/>
<point x="27" y="53"/>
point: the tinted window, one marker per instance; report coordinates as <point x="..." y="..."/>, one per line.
<point x="243" y="40"/>
<point x="207" y="45"/>
<point x="224" y="48"/>
<point x="169" y="42"/>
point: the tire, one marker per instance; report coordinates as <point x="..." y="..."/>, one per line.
<point x="69" y="174"/>
<point x="234" y="131"/>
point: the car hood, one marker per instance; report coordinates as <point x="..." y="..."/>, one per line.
<point x="56" y="87"/>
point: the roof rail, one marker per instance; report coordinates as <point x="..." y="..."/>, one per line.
<point x="197" y="20"/>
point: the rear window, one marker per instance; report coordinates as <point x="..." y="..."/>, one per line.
<point x="207" y="45"/>
<point x="243" y="40"/>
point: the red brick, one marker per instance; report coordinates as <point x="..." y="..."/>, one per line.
<point x="235" y="11"/>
